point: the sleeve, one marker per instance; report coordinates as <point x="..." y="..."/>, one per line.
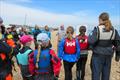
<point x="31" y="64"/>
<point x="56" y="63"/>
<point x="5" y="48"/>
<point x="116" y="44"/>
<point x="78" y="49"/>
<point x="93" y="38"/>
<point x="61" y="48"/>
<point x="50" y="35"/>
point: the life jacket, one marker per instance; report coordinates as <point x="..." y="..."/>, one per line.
<point x="104" y="35"/>
<point x="83" y="42"/>
<point x="44" y="63"/>
<point x="5" y="63"/>
<point x="56" y="63"/>
<point x="10" y="42"/>
<point x="3" y="59"/>
<point x="70" y="46"/>
<point x="23" y="57"/>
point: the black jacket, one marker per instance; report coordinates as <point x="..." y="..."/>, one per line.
<point x="104" y="47"/>
<point x="9" y="52"/>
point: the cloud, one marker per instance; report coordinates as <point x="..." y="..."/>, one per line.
<point x="15" y="14"/>
<point x="18" y="1"/>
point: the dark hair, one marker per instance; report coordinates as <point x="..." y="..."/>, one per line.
<point x="47" y="28"/>
<point x="82" y="28"/>
<point x="105" y="18"/>
<point x="70" y="28"/>
<point x="3" y="29"/>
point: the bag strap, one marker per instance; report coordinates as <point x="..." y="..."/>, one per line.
<point x="98" y="36"/>
<point x="112" y="34"/>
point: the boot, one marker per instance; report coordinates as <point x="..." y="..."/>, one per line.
<point x="78" y="75"/>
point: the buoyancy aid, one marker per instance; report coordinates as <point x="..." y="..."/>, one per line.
<point x="70" y="46"/>
<point x="23" y="58"/>
<point x="44" y="64"/>
<point x="83" y="42"/>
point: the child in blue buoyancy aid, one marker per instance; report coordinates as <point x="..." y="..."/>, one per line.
<point x="69" y="51"/>
<point x="23" y="56"/>
<point x="47" y="64"/>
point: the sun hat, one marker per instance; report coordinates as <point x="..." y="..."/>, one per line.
<point x="43" y="37"/>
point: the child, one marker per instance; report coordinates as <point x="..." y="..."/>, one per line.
<point x="69" y="51"/>
<point x="47" y="31"/>
<point x="23" y="56"/>
<point x="47" y="64"/>
<point x="83" y="42"/>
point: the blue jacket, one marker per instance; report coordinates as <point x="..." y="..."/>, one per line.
<point x="47" y="32"/>
<point x="68" y="57"/>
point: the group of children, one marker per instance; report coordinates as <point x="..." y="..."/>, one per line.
<point x="44" y="64"/>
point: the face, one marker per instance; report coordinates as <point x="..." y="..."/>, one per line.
<point x="69" y="33"/>
<point x="29" y="43"/>
<point x="82" y="31"/>
<point x="36" y="27"/>
<point x="62" y="27"/>
<point x="9" y="30"/>
<point x="43" y="43"/>
<point x="46" y="28"/>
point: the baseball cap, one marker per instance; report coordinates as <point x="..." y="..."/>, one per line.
<point x="25" y="39"/>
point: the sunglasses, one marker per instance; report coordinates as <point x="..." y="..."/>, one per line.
<point x="42" y="42"/>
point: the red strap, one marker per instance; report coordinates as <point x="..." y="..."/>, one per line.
<point x="3" y="56"/>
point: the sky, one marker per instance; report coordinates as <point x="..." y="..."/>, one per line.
<point x="58" y="12"/>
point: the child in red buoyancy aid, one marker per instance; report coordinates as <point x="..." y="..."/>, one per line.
<point x="69" y="51"/>
<point x="46" y="63"/>
<point x="83" y="42"/>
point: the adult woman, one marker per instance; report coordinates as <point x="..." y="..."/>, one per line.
<point x="102" y="41"/>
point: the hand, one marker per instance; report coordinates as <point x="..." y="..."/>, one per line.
<point x="36" y="65"/>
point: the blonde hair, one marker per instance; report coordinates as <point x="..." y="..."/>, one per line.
<point x="105" y="21"/>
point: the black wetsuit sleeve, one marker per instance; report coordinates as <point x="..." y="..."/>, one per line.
<point x="5" y="48"/>
<point x="116" y="43"/>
